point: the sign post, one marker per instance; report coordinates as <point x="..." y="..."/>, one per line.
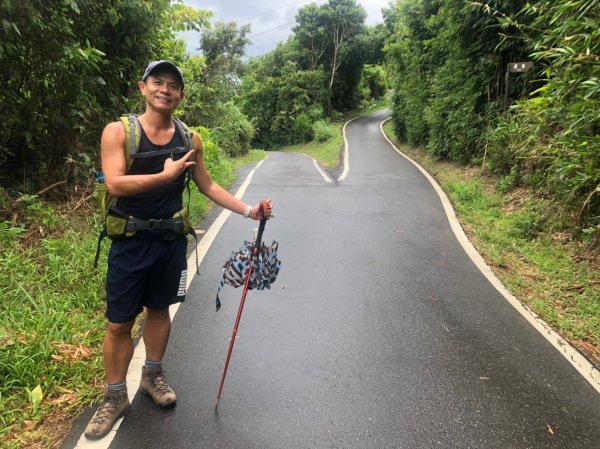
<point x="514" y="67"/>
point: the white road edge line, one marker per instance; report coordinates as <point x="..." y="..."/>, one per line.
<point x="581" y="364"/>
<point x="324" y="174"/>
<point x="139" y="354"/>
<point x="346" y="152"/>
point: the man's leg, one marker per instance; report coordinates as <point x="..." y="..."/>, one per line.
<point x="157" y="328"/>
<point x="118" y="350"/>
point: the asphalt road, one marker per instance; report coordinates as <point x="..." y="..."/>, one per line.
<point x="379" y="332"/>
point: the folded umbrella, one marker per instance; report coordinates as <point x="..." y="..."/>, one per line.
<point x="265" y="268"/>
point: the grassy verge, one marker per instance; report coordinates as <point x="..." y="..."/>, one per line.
<point x="51" y="321"/>
<point x="326" y="153"/>
<point x="52" y="311"/>
<point x="554" y="275"/>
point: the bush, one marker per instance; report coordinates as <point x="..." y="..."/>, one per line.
<point x="234" y="132"/>
<point x="323" y="130"/>
<point x="302" y="129"/>
<point x="454" y="123"/>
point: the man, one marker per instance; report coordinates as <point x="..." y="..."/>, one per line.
<point x="148" y="269"/>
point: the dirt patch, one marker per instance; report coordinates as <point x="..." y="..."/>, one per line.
<point x="47" y="434"/>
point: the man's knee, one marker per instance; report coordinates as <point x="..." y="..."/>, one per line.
<point x="158" y="314"/>
<point x="119" y="329"/>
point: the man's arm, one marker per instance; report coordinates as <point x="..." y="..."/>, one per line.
<point x="114" y="166"/>
<point x="213" y="190"/>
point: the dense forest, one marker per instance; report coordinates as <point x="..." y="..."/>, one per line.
<point x="541" y="128"/>
<point x="68" y="67"/>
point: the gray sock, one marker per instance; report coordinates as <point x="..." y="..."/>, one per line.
<point x="118" y="386"/>
<point x="153" y="364"/>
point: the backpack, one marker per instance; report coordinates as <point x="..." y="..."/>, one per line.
<point x="117" y="224"/>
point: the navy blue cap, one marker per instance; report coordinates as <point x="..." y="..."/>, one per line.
<point x="154" y="65"/>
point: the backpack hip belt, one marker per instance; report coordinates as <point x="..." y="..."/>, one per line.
<point x="119" y="225"/>
<point x="175" y="224"/>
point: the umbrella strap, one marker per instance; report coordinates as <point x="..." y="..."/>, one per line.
<point x="218" y="300"/>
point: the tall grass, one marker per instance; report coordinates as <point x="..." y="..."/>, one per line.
<point x="51" y="320"/>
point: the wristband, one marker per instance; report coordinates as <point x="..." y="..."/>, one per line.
<point x="247" y="211"/>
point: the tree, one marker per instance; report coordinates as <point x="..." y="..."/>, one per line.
<point x="344" y="19"/>
<point x="67" y="68"/>
<point x="218" y="83"/>
<point x="311" y="34"/>
<point x="449" y="58"/>
<point x="282" y="100"/>
<point x="412" y="65"/>
<point x="223" y="48"/>
<point x="326" y="36"/>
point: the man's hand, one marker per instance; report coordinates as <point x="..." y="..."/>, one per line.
<point x="173" y="169"/>
<point x="268" y="210"/>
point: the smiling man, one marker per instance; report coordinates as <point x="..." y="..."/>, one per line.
<point x="147" y="264"/>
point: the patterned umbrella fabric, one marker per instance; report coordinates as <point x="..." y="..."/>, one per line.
<point x="265" y="270"/>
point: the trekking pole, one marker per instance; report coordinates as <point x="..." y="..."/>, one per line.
<point x="255" y="250"/>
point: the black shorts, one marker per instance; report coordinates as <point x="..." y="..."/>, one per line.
<point x="144" y="273"/>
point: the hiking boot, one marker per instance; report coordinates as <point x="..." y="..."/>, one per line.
<point x="154" y="383"/>
<point x="114" y="405"/>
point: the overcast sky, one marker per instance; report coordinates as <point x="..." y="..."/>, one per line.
<point x="271" y="20"/>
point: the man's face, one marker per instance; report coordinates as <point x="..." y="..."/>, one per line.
<point x="162" y="90"/>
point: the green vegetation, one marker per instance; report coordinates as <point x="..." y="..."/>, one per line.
<point x="68" y="68"/>
<point x="51" y="321"/>
<point x="329" y="66"/>
<point x="448" y="60"/>
<point x="508" y="228"/>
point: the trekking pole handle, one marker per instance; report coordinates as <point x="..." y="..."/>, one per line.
<point x="262" y="207"/>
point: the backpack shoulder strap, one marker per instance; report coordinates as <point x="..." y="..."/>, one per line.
<point x="184" y="132"/>
<point x="186" y="135"/>
<point x="131" y="125"/>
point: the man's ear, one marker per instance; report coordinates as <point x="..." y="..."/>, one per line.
<point x="142" y="86"/>
<point x="182" y="95"/>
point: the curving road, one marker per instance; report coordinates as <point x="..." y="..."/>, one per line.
<point x="380" y="332"/>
